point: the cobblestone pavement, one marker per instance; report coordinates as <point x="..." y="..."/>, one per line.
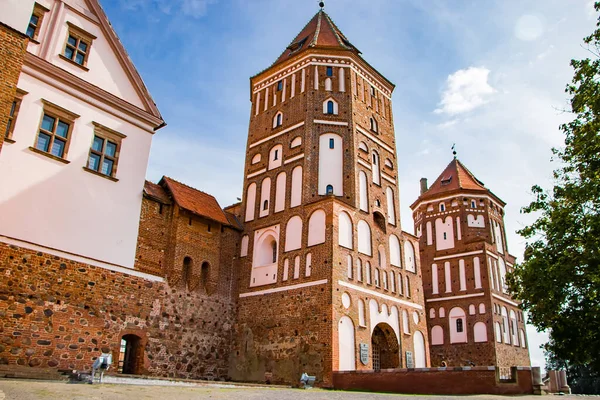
<point x="37" y="390"/>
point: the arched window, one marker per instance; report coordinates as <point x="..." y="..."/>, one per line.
<point x="278" y="119"/>
<point x="359" y="271"/>
<point x="391" y="207"/>
<point x="368" y="272"/>
<point x="393" y="281"/>
<point x="361" y="313"/>
<point x="265" y="204"/>
<point x="505" y="328"/>
<point x="265" y="196"/>
<point x="457" y="319"/>
<point x="385" y="281"/>
<point x="442" y="312"/>
<point x="513" y="328"/>
<point x="400" y="285"/>
<point x="296" y="142"/>
<point x="373" y="124"/>
<point x="442" y="207"/>
<point x="256" y="159"/>
<point x="432" y="313"/>
<point x="381" y="258"/>
<point x="329" y="190"/>
<point x="345" y="230"/>
<point x="308" y="265"/>
<point x="405" y="323"/>
<point x="328" y="84"/>
<point x="316" y="228"/>
<point x="330" y="106"/>
<point x="204" y="275"/>
<point x="471" y="309"/>
<point x="364" y="238"/>
<point x="280" y="186"/>
<point x="350" y="267"/>
<point x="264" y="260"/>
<point x="376" y="277"/>
<point x="274" y="251"/>
<point x="275" y="157"/>
<point x="498" y="332"/>
<point x="481" y="308"/>
<point x="331" y="165"/>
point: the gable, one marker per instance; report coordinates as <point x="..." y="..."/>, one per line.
<point x="107" y="65"/>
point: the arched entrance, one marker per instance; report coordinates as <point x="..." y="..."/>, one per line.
<point x="130" y="355"/>
<point x="385" y="349"/>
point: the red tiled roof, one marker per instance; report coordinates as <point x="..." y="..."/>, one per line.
<point x="194" y="200"/>
<point x="454" y="178"/>
<point x="156" y="192"/>
<point x="319" y="32"/>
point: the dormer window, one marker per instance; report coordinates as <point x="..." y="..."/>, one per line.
<point x="77" y="48"/>
<point x="446" y="180"/>
<point x="297" y="46"/>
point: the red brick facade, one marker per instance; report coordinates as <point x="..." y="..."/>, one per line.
<point x="13" y="46"/>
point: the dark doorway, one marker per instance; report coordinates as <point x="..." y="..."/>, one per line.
<point x="130" y="355"/>
<point x="385" y="348"/>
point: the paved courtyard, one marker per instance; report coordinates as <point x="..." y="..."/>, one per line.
<point x="37" y="390"/>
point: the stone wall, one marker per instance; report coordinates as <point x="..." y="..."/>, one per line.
<point x="62" y="314"/>
<point x="451" y="381"/>
<point x="13" y="46"/>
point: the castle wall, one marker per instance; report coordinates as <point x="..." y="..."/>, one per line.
<point x="61" y="313"/>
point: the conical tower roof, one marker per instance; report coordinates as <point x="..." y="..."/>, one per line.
<point x="455" y="178"/>
<point x="320" y="32"/>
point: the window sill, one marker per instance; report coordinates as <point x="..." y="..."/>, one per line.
<point x="83" y="67"/>
<point x="31" y="40"/>
<point x="52" y="156"/>
<point x="9" y="140"/>
<point x="91" y="171"/>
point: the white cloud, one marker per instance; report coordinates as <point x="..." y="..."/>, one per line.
<point x="466" y="89"/>
<point x="529" y="27"/>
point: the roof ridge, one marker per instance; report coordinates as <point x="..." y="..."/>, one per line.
<point x="313" y="43"/>
<point x="190" y="187"/>
<point x="337" y="32"/>
<point x="470" y="173"/>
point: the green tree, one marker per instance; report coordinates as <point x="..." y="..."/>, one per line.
<point x="559" y="279"/>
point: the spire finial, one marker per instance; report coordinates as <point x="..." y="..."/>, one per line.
<point x="322" y="4"/>
<point x="454" y="150"/>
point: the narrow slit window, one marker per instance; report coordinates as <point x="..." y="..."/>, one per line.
<point x="279" y="86"/>
<point x="330" y="108"/>
<point x="331" y="143"/>
<point x="329" y="189"/>
<point x="329" y="71"/>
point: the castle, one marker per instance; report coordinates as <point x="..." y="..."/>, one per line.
<point x="311" y="271"/>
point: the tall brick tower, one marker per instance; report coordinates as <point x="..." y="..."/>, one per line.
<point x="328" y="281"/>
<point x="471" y="317"/>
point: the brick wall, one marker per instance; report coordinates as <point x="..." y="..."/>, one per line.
<point x="13" y="46"/>
<point x="60" y="313"/>
<point x="457" y="381"/>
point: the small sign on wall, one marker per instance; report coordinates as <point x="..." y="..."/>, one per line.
<point x="364" y="353"/>
<point x="409" y="360"/>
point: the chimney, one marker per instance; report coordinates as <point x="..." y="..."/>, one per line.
<point x="423" y="185"/>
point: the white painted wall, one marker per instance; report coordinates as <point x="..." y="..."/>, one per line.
<point x="331" y="164"/>
<point x="280" y="186"/>
<point x="16" y="13"/>
<point x="361" y="313"/>
<point x="265" y="197"/>
<point x="477" y="272"/>
<point x="394" y="250"/>
<point x="419" y="348"/>
<point x="275" y="157"/>
<point x="481" y="308"/>
<point x="308" y="265"/>
<point x="296" y="267"/>
<point x="435" y="286"/>
<point x="405" y="322"/>
<point x="61" y="206"/>
<point x="391" y="208"/>
<point x="480" y="332"/>
<point x="293" y="234"/>
<point x="342" y="80"/>
<point x="363" y="191"/>
<point x="296" y="142"/>
<point x="377" y="316"/>
<point x="345" y="230"/>
<point x="375" y="164"/>
<point x="296" y="195"/>
<point x="447" y="277"/>
<point x="409" y="257"/>
<point x="475" y="221"/>
<point x="444" y="233"/>
<point x="244" y="246"/>
<point x="502" y="276"/>
<point x="499" y="241"/>
<point x="347" y="346"/>
<point x="250" y="202"/>
<point x="437" y="335"/>
<point x="264" y="270"/>
<point x="316" y="228"/>
<point x="456" y="314"/>
<point x="364" y="238"/>
<point x="462" y="275"/>
<point x="429" y="234"/>
<point x="256" y="159"/>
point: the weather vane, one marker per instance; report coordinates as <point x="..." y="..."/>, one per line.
<point x="453" y="149"/>
<point x="322" y="4"/>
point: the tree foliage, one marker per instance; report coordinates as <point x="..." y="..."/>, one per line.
<point x="559" y="279"/>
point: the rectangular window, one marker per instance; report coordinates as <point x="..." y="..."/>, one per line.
<point x="331" y="143"/>
<point x="55" y="131"/>
<point x="35" y="21"/>
<point x="12" y="115"/>
<point x="104" y="152"/>
<point x="279" y="86"/>
<point x="77" y="47"/>
<point x="373" y="91"/>
<point x="329" y="71"/>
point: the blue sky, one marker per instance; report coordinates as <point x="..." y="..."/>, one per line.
<point x="486" y="75"/>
